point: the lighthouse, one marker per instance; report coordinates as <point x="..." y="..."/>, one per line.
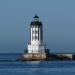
<point x="36" y="44"/>
<point x="36" y="48"/>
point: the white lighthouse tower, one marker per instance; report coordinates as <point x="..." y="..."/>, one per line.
<point x="36" y="49"/>
<point x="36" y="37"/>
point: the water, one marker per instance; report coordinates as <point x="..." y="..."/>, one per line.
<point x="8" y="66"/>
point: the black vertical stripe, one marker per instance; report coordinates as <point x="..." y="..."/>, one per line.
<point x="38" y="33"/>
<point x="32" y="33"/>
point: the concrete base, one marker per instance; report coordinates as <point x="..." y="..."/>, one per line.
<point x="35" y="56"/>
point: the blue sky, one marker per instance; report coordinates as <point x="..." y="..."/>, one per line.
<point x="58" y="17"/>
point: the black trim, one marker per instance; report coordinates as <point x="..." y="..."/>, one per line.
<point x="36" y="23"/>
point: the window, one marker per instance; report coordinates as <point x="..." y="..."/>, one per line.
<point x="33" y="31"/>
<point x="36" y="32"/>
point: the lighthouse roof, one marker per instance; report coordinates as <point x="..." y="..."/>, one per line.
<point x="36" y="21"/>
<point x="36" y="16"/>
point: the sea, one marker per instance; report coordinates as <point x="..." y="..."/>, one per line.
<point x="10" y="66"/>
